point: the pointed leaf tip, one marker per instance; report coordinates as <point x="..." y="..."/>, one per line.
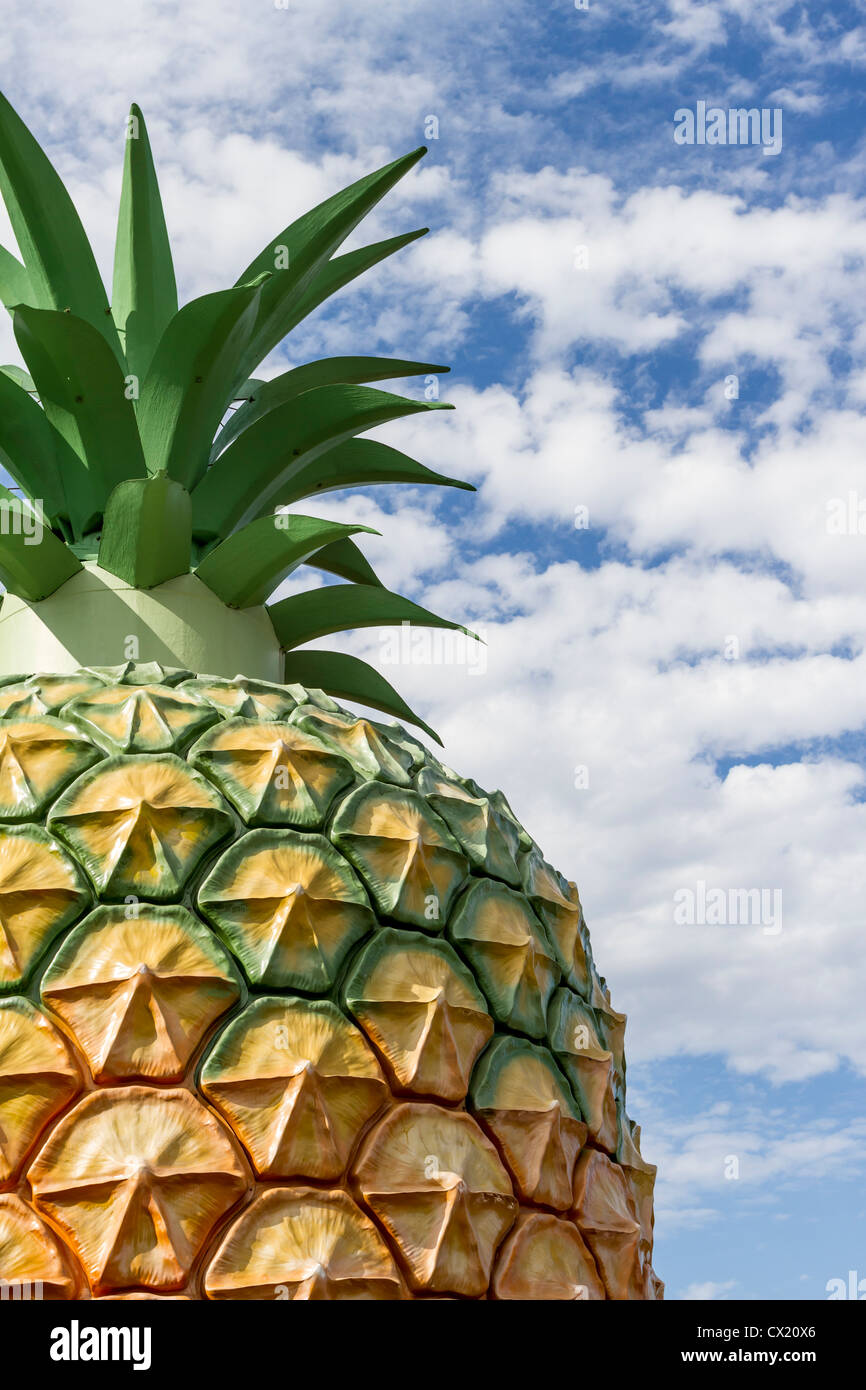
<point x="251" y="476"/>
<point x="144" y="290"/>
<point x="308" y="244"/>
<point x="247" y="567"/>
<point x="303" y="617"/>
<point x="350" y="678"/>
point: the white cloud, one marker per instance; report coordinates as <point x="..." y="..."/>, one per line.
<point x="707" y="1292"/>
<point x="699" y="25"/>
<point x="798" y="99"/>
<point x="777" y="1155"/>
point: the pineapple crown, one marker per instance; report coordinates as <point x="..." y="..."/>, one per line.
<point x="143" y="441"/>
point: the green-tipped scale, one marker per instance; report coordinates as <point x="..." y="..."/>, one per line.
<point x="157" y="461"/>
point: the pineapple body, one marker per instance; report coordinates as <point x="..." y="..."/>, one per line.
<point x="289" y="1010"/>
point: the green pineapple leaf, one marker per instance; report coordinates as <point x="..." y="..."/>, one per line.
<point x="248" y="389"/>
<point x="349" y="678"/>
<point x="342" y="270"/>
<point x="343" y="558"/>
<point x="248" y="478"/>
<point x="330" y="371"/>
<point x="61" y="269"/>
<point x="297" y="253"/>
<point x="33" y="452"/>
<point x="360" y="463"/>
<point x="246" y="568"/>
<point x="144" y="292"/>
<point x="20" y="377"/>
<point x="83" y="392"/>
<point x="15" y="286"/>
<point x="191" y="380"/>
<point x="338" y="607"/>
<point x="31" y="565"/>
<point x="147" y="531"/>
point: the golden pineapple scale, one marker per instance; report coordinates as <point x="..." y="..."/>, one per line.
<point x="290" y="1010"/>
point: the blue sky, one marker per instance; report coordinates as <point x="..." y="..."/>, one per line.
<point x="699" y="648"/>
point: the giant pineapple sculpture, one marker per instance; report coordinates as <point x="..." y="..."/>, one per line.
<point x="288" y="1009"/>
